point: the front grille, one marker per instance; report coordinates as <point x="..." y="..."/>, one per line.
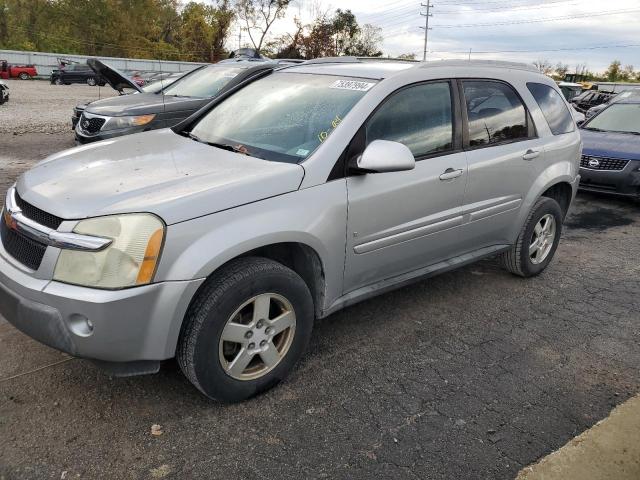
<point x="37" y="215"/>
<point x="603" y="163"/>
<point x="91" y="125"/>
<point x="23" y="249"/>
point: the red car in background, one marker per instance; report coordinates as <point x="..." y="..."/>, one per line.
<point x="23" y="72"/>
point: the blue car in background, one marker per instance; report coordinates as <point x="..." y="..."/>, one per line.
<point x="611" y="153"/>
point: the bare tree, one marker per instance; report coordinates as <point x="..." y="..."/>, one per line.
<point x="544" y="66"/>
<point x="258" y="17"/>
<point x="561" y="69"/>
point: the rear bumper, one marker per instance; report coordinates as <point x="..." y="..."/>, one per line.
<point x="624" y="182"/>
<point x="129" y="325"/>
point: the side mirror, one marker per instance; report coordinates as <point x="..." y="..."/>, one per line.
<point x="385" y="156"/>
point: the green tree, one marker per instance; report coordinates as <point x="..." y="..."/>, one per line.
<point x="614" y="70"/>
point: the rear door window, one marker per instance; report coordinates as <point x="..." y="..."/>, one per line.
<point x="495" y="113"/>
<point x="553" y="108"/>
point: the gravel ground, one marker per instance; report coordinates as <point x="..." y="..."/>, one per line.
<point x="38" y="107"/>
<point x="472" y="374"/>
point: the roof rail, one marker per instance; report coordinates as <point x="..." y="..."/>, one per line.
<point x="352" y="59"/>
<point x="345" y="59"/>
<point x="480" y="63"/>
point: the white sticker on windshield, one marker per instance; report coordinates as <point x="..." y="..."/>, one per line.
<point x="352" y="85"/>
<point x="302" y="152"/>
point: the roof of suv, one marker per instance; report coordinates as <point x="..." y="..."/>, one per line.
<point x="382" y="68"/>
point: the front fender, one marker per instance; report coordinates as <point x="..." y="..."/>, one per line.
<point x="315" y="217"/>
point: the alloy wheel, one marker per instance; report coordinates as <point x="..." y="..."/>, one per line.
<point x="544" y="235"/>
<point x="257" y="336"/>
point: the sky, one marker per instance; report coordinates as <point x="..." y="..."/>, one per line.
<point x="594" y="34"/>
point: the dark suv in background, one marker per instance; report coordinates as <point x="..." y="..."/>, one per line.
<point x="143" y="111"/>
<point x="76" y="73"/>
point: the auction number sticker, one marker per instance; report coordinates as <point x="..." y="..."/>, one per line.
<point x="352" y="85"/>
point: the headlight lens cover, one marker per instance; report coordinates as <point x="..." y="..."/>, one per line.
<point x="115" y="123"/>
<point x="130" y="260"/>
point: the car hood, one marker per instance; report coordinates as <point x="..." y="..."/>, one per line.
<point x="610" y="144"/>
<point x="159" y="172"/>
<point x="117" y="80"/>
<point x="142" y="104"/>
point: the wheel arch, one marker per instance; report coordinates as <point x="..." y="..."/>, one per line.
<point x="558" y="181"/>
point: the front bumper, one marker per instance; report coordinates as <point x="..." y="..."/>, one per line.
<point x="130" y="325"/>
<point x="624" y="182"/>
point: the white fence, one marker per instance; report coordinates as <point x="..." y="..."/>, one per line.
<point x="45" y="62"/>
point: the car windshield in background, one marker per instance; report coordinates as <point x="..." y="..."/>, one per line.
<point x="156" y="86"/>
<point x="283" y="117"/>
<point x="619" y="117"/>
<point x="204" y="83"/>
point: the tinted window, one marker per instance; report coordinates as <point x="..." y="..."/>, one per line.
<point x="553" y="108"/>
<point x="495" y="113"/>
<point x="419" y="117"/>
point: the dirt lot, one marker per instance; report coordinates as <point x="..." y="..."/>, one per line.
<point x="38" y="107"/>
<point x="472" y="374"/>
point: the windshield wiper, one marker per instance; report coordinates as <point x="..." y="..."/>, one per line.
<point x="593" y="129"/>
<point x="223" y="146"/>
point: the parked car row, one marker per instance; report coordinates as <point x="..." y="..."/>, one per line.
<point x="220" y="240"/>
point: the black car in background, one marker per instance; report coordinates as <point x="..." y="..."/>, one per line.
<point x="589" y="99"/>
<point x="76" y="73"/>
<point x="127" y="114"/>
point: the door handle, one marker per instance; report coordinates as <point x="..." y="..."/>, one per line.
<point x="531" y="154"/>
<point x="450" y="174"/>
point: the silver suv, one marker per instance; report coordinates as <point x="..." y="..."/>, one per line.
<point x="220" y="241"/>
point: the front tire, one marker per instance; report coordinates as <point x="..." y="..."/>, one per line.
<point x="246" y="329"/>
<point x="91" y="81"/>
<point x="537" y="241"/>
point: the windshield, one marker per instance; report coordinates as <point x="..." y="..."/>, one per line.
<point x="283" y="117"/>
<point x="155" y="87"/>
<point x="619" y="117"/>
<point x="204" y="83"/>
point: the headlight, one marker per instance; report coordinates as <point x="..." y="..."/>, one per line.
<point x="115" y="123"/>
<point x="130" y="260"/>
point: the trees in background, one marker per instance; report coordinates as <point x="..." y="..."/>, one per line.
<point x="257" y="16"/>
<point x="163" y="29"/>
<point x="329" y="35"/>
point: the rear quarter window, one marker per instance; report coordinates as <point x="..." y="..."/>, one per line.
<point x="553" y="108"/>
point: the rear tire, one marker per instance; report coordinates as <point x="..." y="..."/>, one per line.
<point x="24" y="76"/>
<point x="537" y="241"/>
<point x="91" y="81"/>
<point x="212" y="354"/>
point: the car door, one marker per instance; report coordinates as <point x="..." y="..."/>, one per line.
<point x="505" y="155"/>
<point x="401" y="221"/>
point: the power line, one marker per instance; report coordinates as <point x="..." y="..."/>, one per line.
<point x="593" y="47"/>
<point x="539" y="20"/>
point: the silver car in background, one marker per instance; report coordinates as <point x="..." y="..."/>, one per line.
<point x="220" y="241"/>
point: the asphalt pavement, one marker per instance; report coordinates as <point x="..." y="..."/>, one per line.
<point x="474" y="374"/>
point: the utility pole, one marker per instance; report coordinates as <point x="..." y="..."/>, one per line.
<point x="426" y="28"/>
